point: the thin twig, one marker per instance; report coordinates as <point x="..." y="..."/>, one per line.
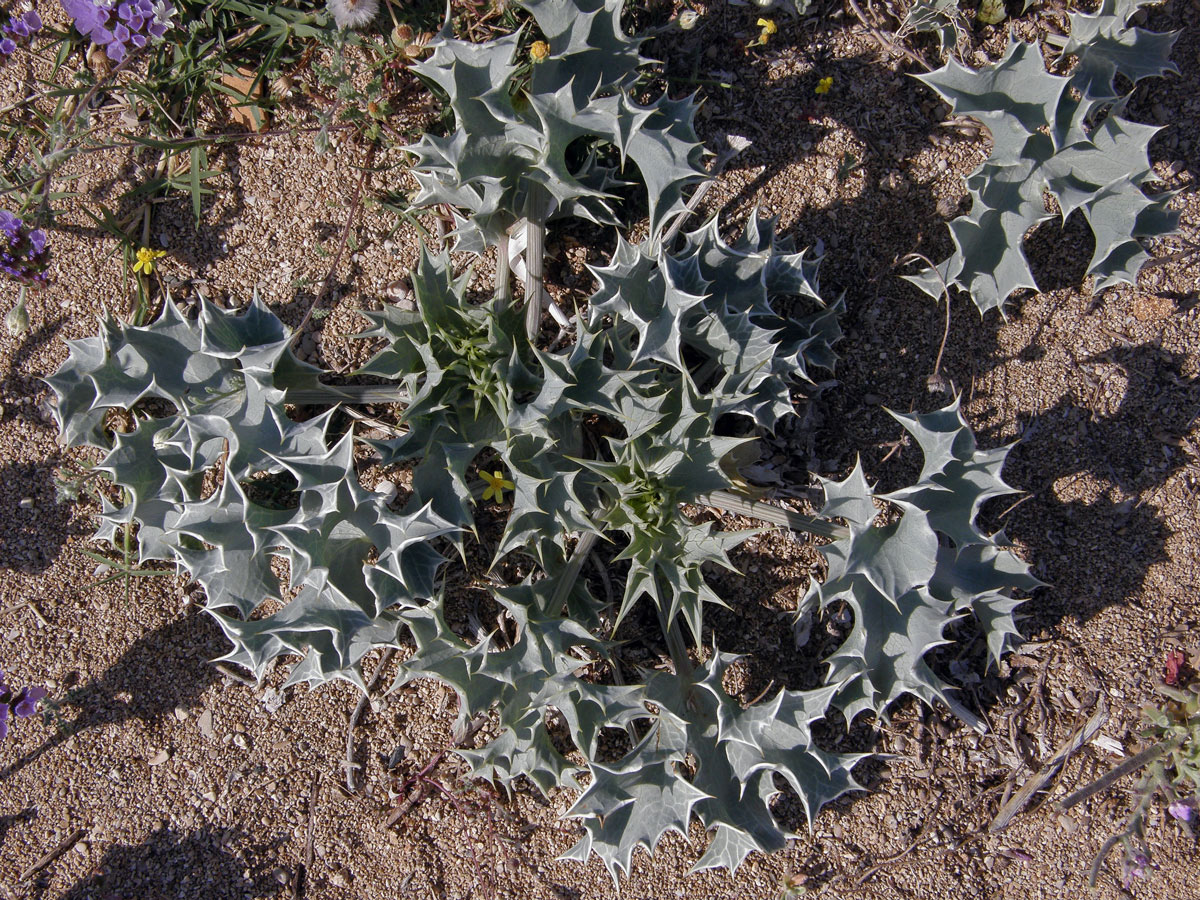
<point x="935" y="377"/>
<point x="1130" y="765"/>
<point x="885" y="42"/>
<point x="351" y="216"/>
<point x="236" y="676"/>
<point x="420" y="780"/>
<point x="350" y="765"/>
<point x="723" y="159"/>
<point x="300" y="878"/>
<point x="926" y="826"/>
<point x="385" y="427"/>
<point x="181" y="144"/>
<point x="66" y="844"/>
<point x="742" y="506"/>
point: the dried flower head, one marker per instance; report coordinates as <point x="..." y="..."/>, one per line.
<point x="688" y="19"/>
<point x="353" y="13"/>
<point x="991" y="12"/>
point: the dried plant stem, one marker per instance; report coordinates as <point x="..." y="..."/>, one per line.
<point x="503" y="274"/>
<point x="1108" y="779"/>
<point x="884" y="42"/>
<point x="350" y="765"/>
<point x="535" y="290"/>
<point x="300" y="877"/>
<point x="351" y="216"/>
<point x="66" y="844"/>
<point x="1079" y="737"/>
<point x="582" y="550"/>
<point x="754" y="509"/>
<point x="347" y="393"/>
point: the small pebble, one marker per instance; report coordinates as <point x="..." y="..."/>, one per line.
<point x="82" y="848"/>
<point x="240" y="741"/>
<point x="26" y="503"/>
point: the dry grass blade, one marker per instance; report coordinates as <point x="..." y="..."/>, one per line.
<point x="1082" y="735"/>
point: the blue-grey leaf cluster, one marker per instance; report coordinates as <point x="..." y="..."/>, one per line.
<point x="533" y="140"/>
<point x="1061" y="134"/>
<point x="606" y="439"/>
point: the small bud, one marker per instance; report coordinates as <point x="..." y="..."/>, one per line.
<point x="539" y="52"/>
<point x="402" y="36"/>
<point x="17" y="319"/>
<point x="991" y="12"/>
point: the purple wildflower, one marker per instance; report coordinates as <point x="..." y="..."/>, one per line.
<point x="21" y="706"/>
<point x="17" y="29"/>
<point x="1136" y="864"/>
<point x="25" y="703"/>
<point x="23" y="255"/>
<point x="1183" y="810"/>
<point x="117" y="26"/>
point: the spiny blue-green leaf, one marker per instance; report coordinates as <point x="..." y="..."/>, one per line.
<point x="886" y="648"/>
<point x="1105" y="46"/>
<point x="1045" y="137"/>
<point x="633" y="805"/>
<point x="755" y="353"/>
<point x="956" y="478"/>
<point x="902" y="585"/>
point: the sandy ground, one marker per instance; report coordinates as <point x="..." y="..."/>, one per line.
<point x="161" y="777"/>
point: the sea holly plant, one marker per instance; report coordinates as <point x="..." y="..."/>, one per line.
<point x="536" y="453"/>
<point x="1061" y="134"/>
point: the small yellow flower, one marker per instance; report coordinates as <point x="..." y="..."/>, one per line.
<point x="769" y="28"/>
<point x="146" y="258"/>
<point x="824" y="85"/>
<point x="497" y="484"/>
<point x="539" y="52"/>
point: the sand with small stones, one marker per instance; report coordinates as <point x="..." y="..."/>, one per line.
<point x="162" y="777"/>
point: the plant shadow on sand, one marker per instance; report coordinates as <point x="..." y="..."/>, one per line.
<point x="169" y="864"/>
<point x="164" y="669"/>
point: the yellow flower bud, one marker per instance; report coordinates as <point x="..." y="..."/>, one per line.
<point x="539" y="52"/>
